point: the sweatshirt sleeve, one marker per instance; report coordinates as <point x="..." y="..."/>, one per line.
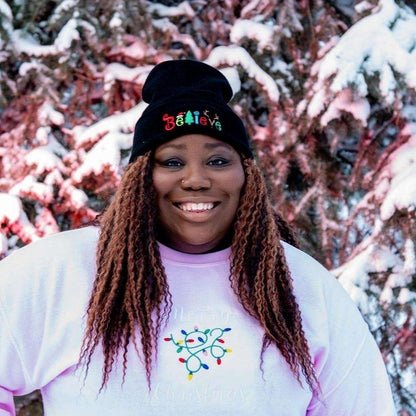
<point x="6" y="403"/>
<point x="44" y="288"/>
<point x="14" y="379"/>
<point x="347" y="361"/>
<point x="352" y="373"/>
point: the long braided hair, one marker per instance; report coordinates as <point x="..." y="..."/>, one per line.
<point x="131" y="290"/>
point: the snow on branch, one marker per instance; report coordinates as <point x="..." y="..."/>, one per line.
<point x="4" y="245"/>
<point x="47" y="114"/>
<point x="105" y="155"/>
<point x="5" y="11"/>
<point x="25" y="43"/>
<point x="396" y="190"/>
<point x="354" y="274"/>
<point x="167" y="27"/>
<point x="262" y="33"/>
<point x="30" y="188"/>
<point x="122" y="122"/>
<point x="345" y="102"/>
<point x="114" y="134"/>
<point x="183" y="9"/>
<point x="380" y="47"/>
<point x="14" y="219"/>
<point x="6" y="19"/>
<point x="119" y="72"/>
<point x="64" y="7"/>
<point x="43" y="160"/>
<point x="236" y="55"/>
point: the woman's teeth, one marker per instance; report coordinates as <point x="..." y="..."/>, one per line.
<point x="189" y="206"/>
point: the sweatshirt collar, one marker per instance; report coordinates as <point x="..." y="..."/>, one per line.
<point x="170" y="254"/>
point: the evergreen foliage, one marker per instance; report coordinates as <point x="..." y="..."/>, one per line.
<point x="327" y="91"/>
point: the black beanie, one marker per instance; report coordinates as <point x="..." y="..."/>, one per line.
<point x="187" y="97"/>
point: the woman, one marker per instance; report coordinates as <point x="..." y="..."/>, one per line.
<point x="192" y="303"/>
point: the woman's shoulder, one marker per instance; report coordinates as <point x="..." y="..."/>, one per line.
<point x="313" y="283"/>
<point x="302" y="265"/>
<point x="64" y="241"/>
<point x="42" y="258"/>
<point x="317" y="290"/>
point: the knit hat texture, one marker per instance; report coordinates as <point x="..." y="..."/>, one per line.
<point x="187" y="97"/>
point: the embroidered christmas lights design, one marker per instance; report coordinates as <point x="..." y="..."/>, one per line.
<point x="197" y="348"/>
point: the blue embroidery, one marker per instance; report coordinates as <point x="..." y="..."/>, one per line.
<point x="198" y="348"/>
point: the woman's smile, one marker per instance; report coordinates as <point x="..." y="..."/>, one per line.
<point x="198" y="181"/>
<point x="195" y="206"/>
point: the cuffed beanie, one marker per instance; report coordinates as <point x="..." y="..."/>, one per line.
<point x="187" y="97"/>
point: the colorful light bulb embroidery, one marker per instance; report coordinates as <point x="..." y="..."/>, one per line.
<point x="198" y="348"/>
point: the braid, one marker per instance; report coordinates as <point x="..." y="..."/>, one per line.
<point x="260" y="276"/>
<point x="130" y="289"/>
<point x="131" y="292"/>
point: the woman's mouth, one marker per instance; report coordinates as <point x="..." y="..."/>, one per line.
<point x="196" y="207"/>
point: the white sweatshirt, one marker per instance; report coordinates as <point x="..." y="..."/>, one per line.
<point x="208" y="362"/>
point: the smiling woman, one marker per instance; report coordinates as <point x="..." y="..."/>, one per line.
<point x="189" y="295"/>
<point x="198" y="181"/>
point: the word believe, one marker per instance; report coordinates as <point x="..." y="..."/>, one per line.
<point x="192" y="118"/>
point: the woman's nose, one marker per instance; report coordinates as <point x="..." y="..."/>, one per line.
<point x="195" y="178"/>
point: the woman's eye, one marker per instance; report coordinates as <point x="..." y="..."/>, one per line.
<point x="218" y="162"/>
<point x="172" y="163"/>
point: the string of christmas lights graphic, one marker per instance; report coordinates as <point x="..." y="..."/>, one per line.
<point x="200" y="346"/>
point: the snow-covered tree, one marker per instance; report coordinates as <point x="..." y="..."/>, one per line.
<point x="327" y="90"/>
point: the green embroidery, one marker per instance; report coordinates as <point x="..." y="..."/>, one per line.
<point x="198" y="347"/>
<point x="192" y="117"/>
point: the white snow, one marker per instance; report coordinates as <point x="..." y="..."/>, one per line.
<point x="262" y="33"/>
<point x="63" y="7"/>
<point x="34" y="65"/>
<point x="401" y="172"/>
<point x="45" y="222"/>
<point x="10" y="208"/>
<point x="236" y="55"/>
<point x="6" y="11"/>
<point x="43" y="160"/>
<point x="233" y="78"/>
<point x="105" y="153"/>
<point x="363" y="7"/>
<point x="4" y="244"/>
<point x="353" y="274"/>
<point x="112" y="124"/>
<point x="409" y="257"/>
<point x="116" y="21"/>
<point x="75" y="198"/>
<point x="183" y="9"/>
<point x="380" y="46"/>
<point x="120" y="72"/>
<point x="48" y="114"/>
<point x="114" y="134"/>
<point x="359" y="108"/>
<point x="406" y="296"/>
<point x="25" y="43"/>
<point x="13" y="216"/>
<point x="31" y="188"/>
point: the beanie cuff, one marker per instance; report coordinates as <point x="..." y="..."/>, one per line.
<point x="166" y="122"/>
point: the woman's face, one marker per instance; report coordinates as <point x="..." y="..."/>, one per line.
<point x="198" y="181"/>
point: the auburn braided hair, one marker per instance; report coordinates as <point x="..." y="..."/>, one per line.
<point x="131" y="292"/>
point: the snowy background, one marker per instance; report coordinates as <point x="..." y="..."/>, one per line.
<point x="328" y="93"/>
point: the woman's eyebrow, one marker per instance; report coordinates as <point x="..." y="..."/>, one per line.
<point x="176" y="146"/>
<point x="215" y="145"/>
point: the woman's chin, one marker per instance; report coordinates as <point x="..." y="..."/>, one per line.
<point x="194" y="246"/>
